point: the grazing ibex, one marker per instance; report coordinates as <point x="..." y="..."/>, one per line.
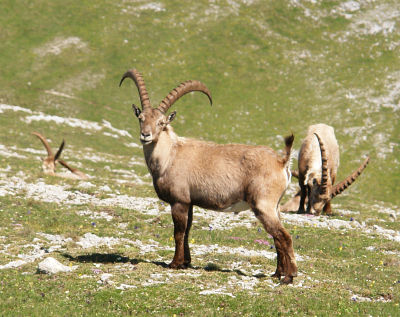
<point x="49" y="163"/>
<point x="231" y="177"/>
<point x="318" y="165"/>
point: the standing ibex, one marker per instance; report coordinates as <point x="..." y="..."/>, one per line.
<point x="231" y="177"/>
<point x="318" y="164"/>
<point x="49" y="163"/>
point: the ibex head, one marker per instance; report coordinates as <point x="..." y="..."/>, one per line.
<point x="323" y="190"/>
<point x="49" y="162"/>
<point x="154" y="120"/>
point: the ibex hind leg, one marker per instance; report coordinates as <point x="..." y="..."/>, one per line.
<point x="280" y="270"/>
<point x="286" y="262"/>
<point x="180" y="216"/>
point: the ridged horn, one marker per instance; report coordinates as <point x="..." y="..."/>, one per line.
<point x="324" y="167"/>
<point x="138" y="79"/>
<point x="45" y="143"/>
<point x="182" y="89"/>
<point x="66" y="165"/>
<point x="340" y="187"/>
<point x="59" y="151"/>
<point x="75" y="171"/>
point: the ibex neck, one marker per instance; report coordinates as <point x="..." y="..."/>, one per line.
<point x="159" y="155"/>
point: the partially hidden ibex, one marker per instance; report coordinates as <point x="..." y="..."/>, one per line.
<point x="318" y="164"/>
<point x="49" y="163"/>
<point x="231" y="177"/>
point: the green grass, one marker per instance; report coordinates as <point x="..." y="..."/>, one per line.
<point x="273" y="67"/>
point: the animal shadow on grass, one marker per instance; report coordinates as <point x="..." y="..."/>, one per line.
<point x="211" y="267"/>
<point x="117" y="258"/>
<point x="109" y="258"/>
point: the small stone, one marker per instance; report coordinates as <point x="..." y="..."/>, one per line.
<point x="105" y="279"/>
<point x="52" y="266"/>
<point x="105" y="276"/>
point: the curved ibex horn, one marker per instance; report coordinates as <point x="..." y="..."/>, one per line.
<point x="339" y="188"/>
<point x="137" y="78"/>
<point x="59" y="151"/>
<point x="182" y="89"/>
<point x="45" y="143"/>
<point x="324" y="168"/>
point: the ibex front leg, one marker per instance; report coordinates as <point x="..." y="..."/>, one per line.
<point x="187" y="258"/>
<point x="182" y="217"/>
<point x="303" y="195"/>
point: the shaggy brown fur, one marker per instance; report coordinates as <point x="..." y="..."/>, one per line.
<point x="230" y="177"/>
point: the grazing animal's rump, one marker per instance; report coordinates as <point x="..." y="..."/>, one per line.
<point x="318" y="165"/>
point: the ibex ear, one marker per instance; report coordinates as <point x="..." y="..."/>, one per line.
<point x="136" y="110"/>
<point x="171" y="117"/>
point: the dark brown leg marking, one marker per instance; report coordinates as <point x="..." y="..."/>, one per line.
<point x="328" y="208"/>
<point x="286" y="262"/>
<point x="303" y="194"/>
<point x="180" y="217"/>
<point x="187" y="258"/>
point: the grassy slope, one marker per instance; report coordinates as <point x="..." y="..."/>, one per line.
<point x="273" y="67"/>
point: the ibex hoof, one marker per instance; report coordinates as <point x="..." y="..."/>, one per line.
<point x="287" y="280"/>
<point x="276" y="275"/>
<point x="177" y="266"/>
